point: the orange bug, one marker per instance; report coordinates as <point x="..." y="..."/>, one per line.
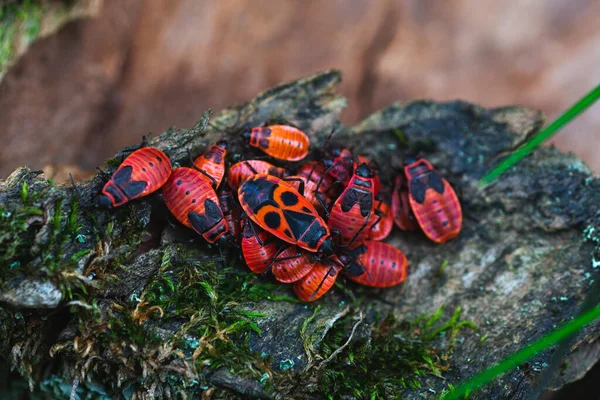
<point x="192" y="200"/>
<point x="279" y="141"/>
<point x="433" y="201"/>
<point x="143" y="172"/>
<point x="212" y="162"/>
<point x="241" y="171"/>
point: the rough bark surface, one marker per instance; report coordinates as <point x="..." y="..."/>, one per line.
<point x="519" y="268"/>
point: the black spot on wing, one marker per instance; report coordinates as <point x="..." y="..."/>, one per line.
<point x="354" y="269"/>
<point x="298" y="222"/>
<point x="123" y="175"/>
<point x="272" y="220"/>
<point x="289" y="199"/>
<point x="122" y="179"/>
<point x="435" y="181"/>
<point x="259" y="192"/>
<point x="417" y="190"/>
<point x="366" y="204"/>
<point x="349" y="200"/>
<point x="134" y="188"/>
<point x="212" y="215"/>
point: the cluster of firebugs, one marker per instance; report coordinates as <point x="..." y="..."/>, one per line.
<point x="328" y="217"/>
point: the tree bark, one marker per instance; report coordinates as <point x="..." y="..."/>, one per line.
<point x="519" y="268"/>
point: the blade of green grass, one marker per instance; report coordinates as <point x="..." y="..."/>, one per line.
<point x="523" y="355"/>
<point x="544" y="134"/>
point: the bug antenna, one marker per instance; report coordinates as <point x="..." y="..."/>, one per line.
<point x="214" y="182"/>
<point x="99" y="228"/>
<point x="221" y="256"/>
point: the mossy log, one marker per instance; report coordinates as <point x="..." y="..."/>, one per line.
<point x="98" y="302"/>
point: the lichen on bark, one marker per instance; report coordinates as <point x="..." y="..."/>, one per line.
<point x="110" y="300"/>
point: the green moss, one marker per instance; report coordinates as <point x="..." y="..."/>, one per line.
<point x="392" y="358"/>
<point x="16" y="238"/>
<point x="208" y="329"/>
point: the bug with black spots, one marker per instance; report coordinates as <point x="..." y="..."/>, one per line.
<point x="279" y="141"/>
<point x="433" y="201"/>
<point x="374" y="264"/>
<point x="192" y="200"/>
<point x="354" y="210"/>
<point x="143" y="172"/>
<point x="280" y="209"/>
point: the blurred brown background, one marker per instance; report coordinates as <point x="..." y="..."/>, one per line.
<point x="100" y="83"/>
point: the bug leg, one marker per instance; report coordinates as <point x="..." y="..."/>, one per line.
<point x="214" y="182"/>
<point x="98" y="227"/>
<point x="78" y="193"/>
<point x="277" y="259"/>
<point x="221" y="256"/>
<point x="301" y="188"/>
<point x="105" y="176"/>
<point x="273" y="260"/>
<point x="378" y="213"/>
<point x="130" y="149"/>
<point x="256" y="234"/>
<point x="322" y="203"/>
<point x="312" y="296"/>
<point x="254" y="171"/>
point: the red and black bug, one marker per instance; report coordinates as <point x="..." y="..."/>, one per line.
<point x="212" y="162"/>
<point x="279" y="209"/>
<point x="192" y="200"/>
<point x="381" y="229"/>
<point x="291" y="265"/>
<point x="258" y="247"/>
<point x="401" y="210"/>
<point x="279" y="141"/>
<point x="376" y="264"/>
<point x="433" y="201"/>
<point x="354" y="210"/>
<point x="144" y="171"/>
<point x="344" y="166"/>
<point x="241" y="171"/>
<point x="340" y="166"/>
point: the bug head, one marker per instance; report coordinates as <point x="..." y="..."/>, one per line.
<point x="222" y="143"/>
<point x="411" y="159"/>
<point x="327" y="248"/>
<point x="364" y="171"/>
<point x="246" y="133"/>
<point x="105" y="201"/>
